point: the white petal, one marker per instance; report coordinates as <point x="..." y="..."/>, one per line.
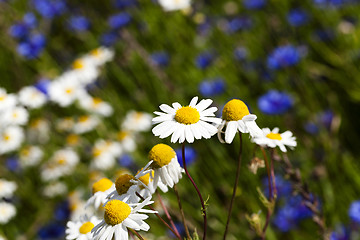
<point x="176" y="105"/>
<point x="275" y="130"/>
<point x="193" y="102"/>
<point x="253" y="128"/>
<point x="203" y="104"/>
<point x="209" y="112"/>
<point x="230" y="131"/>
<point x="195" y="130"/>
<point x="166" y="108"/>
<point x="249" y="117"/>
<point x="177" y="132"/>
<point x="189" y="135"/>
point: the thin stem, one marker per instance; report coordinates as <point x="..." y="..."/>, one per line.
<point x="203" y="209"/>
<point x="136" y="233"/>
<point x="273" y="173"/>
<point x="168" y="215"/>
<point x="235" y="187"/>
<point x="161" y="219"/>
<point x="268" y="214"/>
<point x="182" y="212"/>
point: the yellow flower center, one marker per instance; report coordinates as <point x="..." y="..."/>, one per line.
<point x="96" y="101"/>
<point x="25" y="152"/>
<point x="83" y="119"/>
<point x="97" y="152"/>
<point x="123" y="183"/>
<point x="72" y="139"/>
<point x="187" y="115"/>
<point x="15" y="115"/>
<point x="6" y="137"/>
<point x="235" y="110"/>
<point x="61" y="161"/>
<point x="116" y="212"/>
<point x="78" y="64"/>
<point x="68" y="90"/>
<point x="2" y="98"/>
<point x="102" y="185"/>
<point x="161" y="154"/>
<point x="95" y="52"/>
<point x="274" y="136"/>
<point x="86" y="227"/>
<point x="122" y="135"/>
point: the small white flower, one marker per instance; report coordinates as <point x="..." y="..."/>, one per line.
<point x="7" y="212"/>
<point x="95" y="105"/>
<point x="119" y="216"/>
<point x="105" y="154"/>
<point x="83" y="71"/>
<point x="101" y="55"/>
<point x="6" y="100"/>
<point x="7" y="188"/>
<point x="101" y="189"/>
<point x="274" y="138"/>
<point x="15" y="116"/>
<point x="38" y="131"/>
<point x="55" y="189"/>
<point x="137" y="121"/>
<point x="236" y="117"/>
<point x="30" y="156"/>
<point x="11" y="138"/>
<point x="31" y="97"/>
<point x="127" y="141"/>
<point x="186" y="123"/>
<point x="85" y="124"/>
<point x="81" y="230"/>
<point x="65" y="90"/>
<point x="172" y="5"/>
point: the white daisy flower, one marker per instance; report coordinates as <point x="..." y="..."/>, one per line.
<point x="38" y="131"/>
<point x="11" y="138"/>
<point x="274" y="138"/>
<point x="236" y="117"/>
<point x="119" y="216"/>
<point x="7" y="188"/>
<point x="81" y="230"/>
<point x="105" y="154"/>
<point x="101" y="55"/>
<point x="186" y="123"/>
<point x="137" y="121"/>
<point x="7" y="212"/>
<point x="55" y="189"/>
<point x="165" y="164"/>
<point x="172" y="5"/>
<point x="6" y="100"/>
<point x="85" y="124"/>
<point x="31" y="97"/>
<point x="95" y="105"/>
<point x="101" y="189"/>
<point x="83" y="70"/>
<point x="127" y="141"/>
<point x="15" y="116"/>
<point x="65" y="90"/>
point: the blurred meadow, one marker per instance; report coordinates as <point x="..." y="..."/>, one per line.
<point x="294" y="63"/>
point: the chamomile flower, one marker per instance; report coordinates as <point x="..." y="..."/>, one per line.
<point x="127" y="141"/>
<point x="7" y="211"/>
<point x="83" y="70"/>
<point x="38" y="130"/>
<point x="101" y="55"/>
<point x="95" y="105"/>
<point x="6" y="100"/>
<point x="81" y="230"/>
<point x="31" y="97"/>
<point x="172" y="5"/>
<point x="11" y="138"/>
<point x="186" y="123"/>
<point x="105" y="154"/>
<point x="166" y="167"/>
<point x="15" y="116"/>
<point x="65" y="90"/>
<point x="85" y="124"/>
<point x="100" y="189"/>
<point x="7" y="188"/>
<point x="126" y="188"/>
<point x="236" y="117"/>
<point x="119" y="216"/>
<point x="137" y="121"/>
<point x="54" y="189"/>
<point x="274" y="138"/>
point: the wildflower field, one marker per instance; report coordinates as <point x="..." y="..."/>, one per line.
<point x="179" y="119"/>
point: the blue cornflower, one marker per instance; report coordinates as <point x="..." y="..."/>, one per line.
<point x="125" y="3"/>
<point x="119" y="20"/>
<point x="210" y="88"/>
<point x="180" y="227"/>
<point x="32" y="47"/>
<point x="324" y="35"/>
<point x="62" y="211"/>
<point x="19" y="30"/>
<point x="30" y="20"/>
<point x="329" y="3"/>
<point x="12" y="163"/>
<point x="109" y="38"/>
<point x="274" y="102"/>
<point x="254" y="4"/>
<point x="79" y="23"/>
<point x="326" y="118"/>
<point x="126" y="161"/>
<point x="297" y="17"/>
<point x="204" y="60"/>
<point x="311" y="128"/>
<point x="239" y="23"/>
<point x="240" y="53"/>
<point x="43" y="85"/>
<point x="354" y="211"/>
<point x="341" y="233"/>
<point x="283" y="187"/>
<point x="282" y="57"/>
<point x="284" y="219"/>
<point x="49" y="8"/>
<point x="190" y="155"/>
<point x="160" y="58"/>
<point x="52" y="231"/>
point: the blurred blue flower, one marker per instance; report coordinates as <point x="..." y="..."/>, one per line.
<point x="354" y="211"/>
<point x="32" y="47"/>
<point x="239" y="23"/>
<point x="12" y="163"/>
<point x="119" y="20"/>
<point x="190" y="155"/>
<point x="297" y="17"/>
<point x="109" y="38"/>
<point x="329" y="3"/>
<point x="126" y="161"/>
<point x="283" y="187"/>
<point x="240" y="53"/>
<point x="79" y="23"/>
<point x="204" y="28"/>
<point x="160" y="58"/>
<point x="49" y="8"/>
<point x="19" y="30"/>
<point x="254" y="4"/>
<point x="62" y="211"/>
<point x="180" y="227"/>
<point x="275" y="102"/>
<point x="203" y="60"/>
<point x="326" y="118"/>
<point x="283" y="57"/>
<point x="210" y="88"/>
<point x="43" y="85"/>
<point x="52" y="231"/>
<point x="125" y="3"/>
<point x="341" y="233"/>
<point x="311" y="128"/>
<point x="324" y="35"/>
<point x="30" y="20"/>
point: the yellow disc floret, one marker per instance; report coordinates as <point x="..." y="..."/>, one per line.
<point x="235" y="110"/>
<point x="274" y="136"/>
<point x="161" y="154"/>
<point x="116" y="212"/>
<point x="123" y="183"/>
<point x="102" y="185"/>
<point x="86" y="227"/>
<point x="78" y="64"/>
<point x="187" y="115"/>
<point x="145" y="179"/>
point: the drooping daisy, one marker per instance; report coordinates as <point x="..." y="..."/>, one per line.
<point x="137" y="121"/>
<point x="166" y="167"/>
<point x="7" y="188"/>
<point x="274" y="138"/>
<point x="85" y="123"/>
<point x="126" y="188"/>
<point x="119" y="216"/>
<point x="31" y="97"/>
<point x="100" y="189"/>
<point x="81" y="230"/>
<point x="11" y="138"/>
<point x="7" y="211"/>
<point x="236" y="117"/>
<point x="186" y="123"/>
<point x="172" y="5"/>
